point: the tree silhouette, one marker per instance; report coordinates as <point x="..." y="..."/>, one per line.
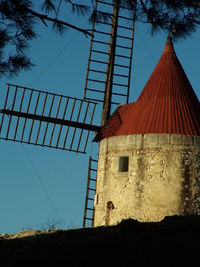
<point x="19" y="20"/>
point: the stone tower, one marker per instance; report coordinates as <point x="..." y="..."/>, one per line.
<point x="149" y="157"/>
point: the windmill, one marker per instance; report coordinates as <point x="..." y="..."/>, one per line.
<point x="62" y="122"/>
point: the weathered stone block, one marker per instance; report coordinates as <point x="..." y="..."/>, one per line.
<point x="197" y="141"/>
<point x="164" y="138"/>
<point x="103" y="145"/>
<point x="113" y="142"/>
<point x="139" y="140"/>
<point x="187" y="140"/>
<point x="151" y="140"/>
<point x="124" y="142"/>
<point x="131" y="140"/>
<point x="176" y="139"/>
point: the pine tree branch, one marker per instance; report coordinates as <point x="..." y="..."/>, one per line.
<point x="143" y="6"/>
<point x="45" y="18"/>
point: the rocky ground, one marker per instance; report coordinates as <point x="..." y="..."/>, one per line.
<point x="174" y="241"/>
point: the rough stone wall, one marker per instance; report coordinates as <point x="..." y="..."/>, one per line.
<point x="163" y="178"/>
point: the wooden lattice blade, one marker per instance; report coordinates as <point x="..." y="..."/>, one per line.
<point x="106" y="53"/>
<point x="46" y="119"/>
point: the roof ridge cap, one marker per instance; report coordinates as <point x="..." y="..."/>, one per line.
<point x="169" y="40"/>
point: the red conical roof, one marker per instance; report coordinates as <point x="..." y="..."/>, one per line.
<point x="167" y="104"/>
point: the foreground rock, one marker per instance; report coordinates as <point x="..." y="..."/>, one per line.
<point x="175" y="240"/>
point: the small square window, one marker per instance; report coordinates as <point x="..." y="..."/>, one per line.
<point x="123" y="164"/>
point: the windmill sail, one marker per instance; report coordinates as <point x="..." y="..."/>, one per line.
<point x="88" y="217"/>
<point x="110" y="55"/>
<point x="46" y="119"/>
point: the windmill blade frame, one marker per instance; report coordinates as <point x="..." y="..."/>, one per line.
<point x="66" y="124"/>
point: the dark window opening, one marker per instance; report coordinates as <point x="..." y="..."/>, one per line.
<point x="123" y="164"/>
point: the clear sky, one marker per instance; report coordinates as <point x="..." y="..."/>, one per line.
<point x="41" y="186"/>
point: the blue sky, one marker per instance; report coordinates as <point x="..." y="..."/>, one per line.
<point x="40" y="186"/>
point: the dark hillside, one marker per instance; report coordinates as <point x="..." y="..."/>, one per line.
<point x="175" y="240"/>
